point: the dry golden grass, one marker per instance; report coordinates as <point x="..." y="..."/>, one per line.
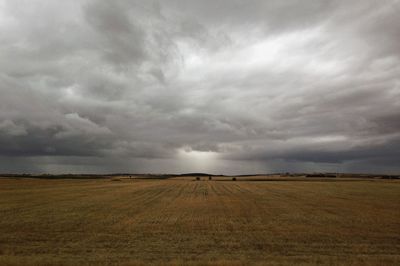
<point x="186" y="222"/>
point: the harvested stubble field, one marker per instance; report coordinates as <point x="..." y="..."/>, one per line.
<point x="102" y="222"/>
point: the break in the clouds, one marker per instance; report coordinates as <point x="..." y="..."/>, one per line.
<point x="216" y="86"/>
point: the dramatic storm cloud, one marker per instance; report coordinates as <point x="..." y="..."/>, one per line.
<point x="216" y="86"/>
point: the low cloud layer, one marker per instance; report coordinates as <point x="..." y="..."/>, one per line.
<point x="216" y="86"/>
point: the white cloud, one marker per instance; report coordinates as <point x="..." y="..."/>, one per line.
<point x="8" y="127"/>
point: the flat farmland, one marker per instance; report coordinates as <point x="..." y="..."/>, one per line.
<point x="187" y="222"/>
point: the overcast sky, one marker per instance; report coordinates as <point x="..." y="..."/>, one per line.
<point x="219" y="86"/>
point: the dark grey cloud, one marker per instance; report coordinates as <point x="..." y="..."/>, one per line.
<point x="219" y="86"/>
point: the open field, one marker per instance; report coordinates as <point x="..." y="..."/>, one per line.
<point x="181" y="221"/>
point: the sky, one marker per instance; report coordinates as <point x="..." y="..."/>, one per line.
<point x="217" y="86"/>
